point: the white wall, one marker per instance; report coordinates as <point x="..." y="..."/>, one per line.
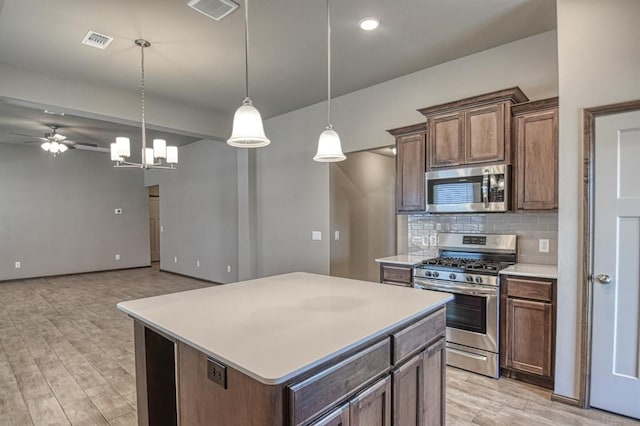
<point x="199" y="212"/>
<point x="599" y="64"/>
<point x="57" y="214"/>
<point x="293" y="190"/>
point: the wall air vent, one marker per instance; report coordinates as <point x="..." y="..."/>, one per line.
<point x="98" y="40"/>
<point x="216" y="9"/>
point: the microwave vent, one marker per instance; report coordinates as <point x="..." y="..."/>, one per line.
<point x="215" y="9"/>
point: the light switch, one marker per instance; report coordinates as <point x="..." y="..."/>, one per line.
<point x="316" y="235"/>
<point x="336" y="235"/>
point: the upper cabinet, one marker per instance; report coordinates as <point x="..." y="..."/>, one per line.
<point x="535" y="132"/>
<point x="410" y="168"/>
<point x="471" y="131"/>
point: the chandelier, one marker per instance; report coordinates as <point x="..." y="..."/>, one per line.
<point x="160" y="156"/>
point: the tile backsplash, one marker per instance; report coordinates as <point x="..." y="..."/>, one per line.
<point x="529" y="227"/>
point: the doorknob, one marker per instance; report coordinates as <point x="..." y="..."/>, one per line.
<point x="603" y="279"/>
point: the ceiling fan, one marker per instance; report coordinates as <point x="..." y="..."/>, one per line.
<point x="57" y="143"/>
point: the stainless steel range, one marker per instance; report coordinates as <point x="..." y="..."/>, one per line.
<point x="467" y="266"/>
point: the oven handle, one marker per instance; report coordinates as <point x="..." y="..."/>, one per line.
<point x="473" y="291"/>
<point x="467" y="354"/>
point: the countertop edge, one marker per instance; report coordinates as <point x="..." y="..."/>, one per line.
<point x="273" y="381"/>
<point x="532" y="270"/>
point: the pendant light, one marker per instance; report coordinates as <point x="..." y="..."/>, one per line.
<point x="248" y="131"/>
<point x="329" y="147"/>
<point x="160" y="156"/>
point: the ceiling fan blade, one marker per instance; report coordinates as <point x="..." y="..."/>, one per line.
<point x="28" y="136"/>
<point x="91" y="147"/>
<point x="76" y="143"/>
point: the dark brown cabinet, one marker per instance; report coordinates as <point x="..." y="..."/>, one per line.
<point x="528" y="329"/>
<point x="396" y="274"/>
<point x="536" y="160"/>
<point x="410" y="168"/>
<point x="471" y="131"/>
<point x="338" y="417"/>
<point x="372" y="407"/>
<point x="419" y="388"/>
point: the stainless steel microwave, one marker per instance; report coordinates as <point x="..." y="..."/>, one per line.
<point x="469" y="190"/>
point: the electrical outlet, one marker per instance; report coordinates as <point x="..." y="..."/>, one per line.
<point x="161" y="228"/>
<point x="543" y="245"/>
<point x="197" y="263"/>
<point x="228" y="268"/>
<point x="217" y="372"/>
<point x="336" y="235"/>
<point x="316" y="235"/>
<point x="117" y="257"/>
<point x="175" y="259"/>
<point x="18" y="265"/>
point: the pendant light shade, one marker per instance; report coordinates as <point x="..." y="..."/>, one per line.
<point x="329" y="146"/>
<point x="248" y="131"/>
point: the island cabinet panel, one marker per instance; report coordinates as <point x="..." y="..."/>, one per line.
<point x="314" y="395"/>
<point x="528" y="329"/>
<point x="445" y="144"/>
<point x="372" y="407"/>
<point x="414" y="337"/>
<point x="410" y="168"/>
<point x="536" y="145"/>
<point x="419" y="388"/>
<point x="245" y="401"/>
<point x="338" y="417"/>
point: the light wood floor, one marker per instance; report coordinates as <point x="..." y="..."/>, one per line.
<point x="66" y="357"/>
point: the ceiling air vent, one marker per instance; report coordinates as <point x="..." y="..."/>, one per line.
<point x="98" y="40"/>
<point x="216" y="9"/>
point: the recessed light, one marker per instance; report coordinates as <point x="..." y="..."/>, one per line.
<point x="369" y="24"/>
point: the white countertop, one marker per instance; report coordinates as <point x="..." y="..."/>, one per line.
<point x="410" y="259"/>
<point x="532" y="270"/>
<point x="275" y="328"/>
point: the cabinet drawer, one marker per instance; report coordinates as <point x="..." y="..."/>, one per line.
<point x="310" y="397"/>
<point x="530" y="289"/>
<point x="395" y="273"/>
<point x="412" y="338"/>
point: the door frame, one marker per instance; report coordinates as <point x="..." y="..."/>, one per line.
<point x="589" y="127"/>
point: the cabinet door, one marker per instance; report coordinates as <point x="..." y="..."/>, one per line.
<point x="537" y="160"/>
<point x="529" y="336"/>
<point x="484" y="134"/>
<point x="434" y="397"/>
<point x="446" y="143"/>
<point x="372" y="407"/>
<point x="408" y="385"/>
<point x="338" y="417"/>
<point x="410" y="168"/>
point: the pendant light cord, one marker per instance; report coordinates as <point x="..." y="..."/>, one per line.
<point x="246" y="48"/>
<point x="144" y="135"/>
<point x="328" y="66"/>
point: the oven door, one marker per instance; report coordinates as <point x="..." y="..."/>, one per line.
<point x="472" y="316"/>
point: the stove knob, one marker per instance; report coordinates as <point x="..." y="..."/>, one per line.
<point x="427" y="273"/>
<point x="469" y="278"/>
<point x="479" y="280"/>
<point x="435" y="274"/>
<point x="452" y="276"/>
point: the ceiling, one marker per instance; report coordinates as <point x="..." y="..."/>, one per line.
<point x="197" y="61"/>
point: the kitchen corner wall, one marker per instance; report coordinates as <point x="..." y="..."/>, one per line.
<point x="199" y="212"/>
<point x="424" y="229"/>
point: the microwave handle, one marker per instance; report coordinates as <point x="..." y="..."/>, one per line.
<point x="485" y="190"/>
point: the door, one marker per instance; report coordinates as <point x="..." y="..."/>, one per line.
<point x="154" y="223"/>
<point x="615" y="357"/>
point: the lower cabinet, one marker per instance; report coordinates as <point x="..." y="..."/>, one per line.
<point x="528" y="329"/>
<point x="371" y="407"/>
<point x="419" y="388"/>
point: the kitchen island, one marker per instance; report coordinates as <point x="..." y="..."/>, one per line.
<point x="291" y="349"/>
